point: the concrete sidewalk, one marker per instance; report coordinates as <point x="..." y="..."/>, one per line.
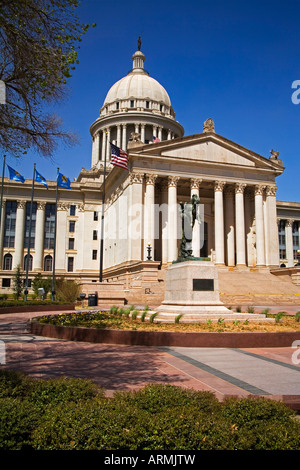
<point x="270" y="372"/>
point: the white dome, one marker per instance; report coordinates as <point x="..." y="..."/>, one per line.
<point x="138" y="86"/>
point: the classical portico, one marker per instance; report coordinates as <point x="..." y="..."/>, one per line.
<point x="237" y="190"/>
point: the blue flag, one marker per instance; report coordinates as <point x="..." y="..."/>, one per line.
<point x="15" y="175"/>
<point x="63" y="181"/>
<point x="40" y="179"/>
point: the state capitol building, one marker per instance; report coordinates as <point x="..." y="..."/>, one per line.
<point x="242" y="227"/>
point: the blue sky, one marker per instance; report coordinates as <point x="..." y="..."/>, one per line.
<point x="232" y="61"/>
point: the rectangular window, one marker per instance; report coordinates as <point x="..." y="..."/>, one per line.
<point x="281" y="239"/>
<point x="72" y="226"/>
<point x="117" y="105"/>
<point x="6" y="282"/>
<point x="95" y="234"/>
<point x="94" y="255"/>
<point x="282" y="253"/>
<point x="10" y="224"/>
<point x="49" y="226"/>
<point x="147" y="104"/>
<point x="95" y="215"/>
<point x="132" y="103"/>
<point x="27" y="223"/>
<point x="71" y="243"/>
<point x="72" y="210"/>
<point x="70" y="264"/>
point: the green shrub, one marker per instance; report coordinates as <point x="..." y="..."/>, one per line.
<point x="250" y="309"/>
<point x="238" y="309"/>
<point x="134" y="314"/>
<point x="14" y="384"/>
<point x="279" y="316"/>
<point x="155" y="398"/>
<point x="297" y="316"/>
<point x="18" y="418"/>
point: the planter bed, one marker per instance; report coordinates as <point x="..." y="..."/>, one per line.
<point x="165" y="338"/>
<point x="37" y="308"/>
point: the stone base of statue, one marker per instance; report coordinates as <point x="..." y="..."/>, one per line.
<point x="192" y="290"/>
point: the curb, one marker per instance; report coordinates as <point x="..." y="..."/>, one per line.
<point x="165" y="338"/>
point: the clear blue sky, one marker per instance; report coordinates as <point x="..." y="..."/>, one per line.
<point x="230" y="60"/>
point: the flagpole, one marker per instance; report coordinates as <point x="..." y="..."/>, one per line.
<point x="29" y="235"/>
<point x="54" y="247"/>
<point x="102" y="220"/>
<point x="2" y="183"/>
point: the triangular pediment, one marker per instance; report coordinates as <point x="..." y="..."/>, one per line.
<point x="209" y="148"/>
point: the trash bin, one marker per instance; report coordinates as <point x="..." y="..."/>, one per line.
<point x="92" y="300"/>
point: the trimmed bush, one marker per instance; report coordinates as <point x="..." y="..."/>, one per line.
<point x="69" y="414"/>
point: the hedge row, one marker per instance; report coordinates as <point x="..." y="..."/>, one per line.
<point x="66" y="414"/>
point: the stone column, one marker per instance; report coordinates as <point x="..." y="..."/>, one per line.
<point x="154" y="131"/>
<point x="124" y="137"/>
<point x="18" y="258"/>
<point x="135" y="217"/>
<point x="164" y="222"/>
<point x="172" y="218"/>
<point x="119" y="135"/>
<point x="95" y="149"/>
<point x="219" y="223"/>
<point x="196" y="242"/>
<point x="39" y="237"/>
<point x="229" y="226"/>
<point x="2" y="232"/>
<point x="240" y="224"/>
<point x="289" y="242"/>
<point x="169" y="135"/>
<point x="259" y="226"/>
<point x="273" y="242"/>
<point x="108" y="145"/>
<point x="160" y="133"/>
<point x="62" y="237"/>
<point x="143" y="133"/>
<point x="137" y="128"/>
<point x="103" y="144"/>
<point x="249" y="228"/>
<point x="149" y="214"/>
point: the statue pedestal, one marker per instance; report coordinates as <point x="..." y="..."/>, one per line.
<point x="192" y="290"/>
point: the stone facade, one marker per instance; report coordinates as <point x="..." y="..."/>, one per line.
<point x="240" y="225"/>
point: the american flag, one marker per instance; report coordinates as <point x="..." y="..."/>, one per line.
<point x="118" y="157"/>
<point x="155" y="139"/>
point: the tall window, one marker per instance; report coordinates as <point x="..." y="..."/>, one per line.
<point x="95" y="234"/>
<point x="29" y="263"/>
<point x="95" y="215"/>
<point x="48" y="263"/>
<point x="295" y="238"/>
<point x="71" y="226"/>
<point x="7" y="262"/>
<point x="73" y="210"/>
<point x="27" y="222"/>
<point x="70" y="264"/>
<point x="10" y="224"/>
<point x="71" y="243"/>
<point x="94" y="254"/>
<point x="49" y="226"/>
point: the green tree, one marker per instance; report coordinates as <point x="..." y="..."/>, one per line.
<point x="18" y="282"/>
<point x="38" y="51"/>
<point x="39" y="281"/>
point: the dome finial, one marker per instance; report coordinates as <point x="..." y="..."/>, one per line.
<point x="139" y="43"/>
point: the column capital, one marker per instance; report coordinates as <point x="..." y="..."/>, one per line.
<point x="239" y="188"/>
<point x="172" y="181"/>
<point x="271" y="190"/>
<point x="289" y="222"/>
<point x="62" y="206"/>
<point x="195" y="183"/>
<point x="41" y="205"/>
<point x="150" y="178"/>
<point x="21" y="204"/>
<point x="136" y="177"/>
<point x="259" y="189"/>
<point x="219" y="185"/>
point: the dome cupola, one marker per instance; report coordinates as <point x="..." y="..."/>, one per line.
<point x="137" y="103"/>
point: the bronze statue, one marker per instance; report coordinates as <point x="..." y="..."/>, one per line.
<point x="139" y="43"/>
<point x="188" y="217"/>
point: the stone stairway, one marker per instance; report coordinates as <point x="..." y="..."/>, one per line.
<point x="256" y="288"/>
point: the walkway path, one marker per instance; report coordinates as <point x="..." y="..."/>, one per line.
<point x="270" y="372"/>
